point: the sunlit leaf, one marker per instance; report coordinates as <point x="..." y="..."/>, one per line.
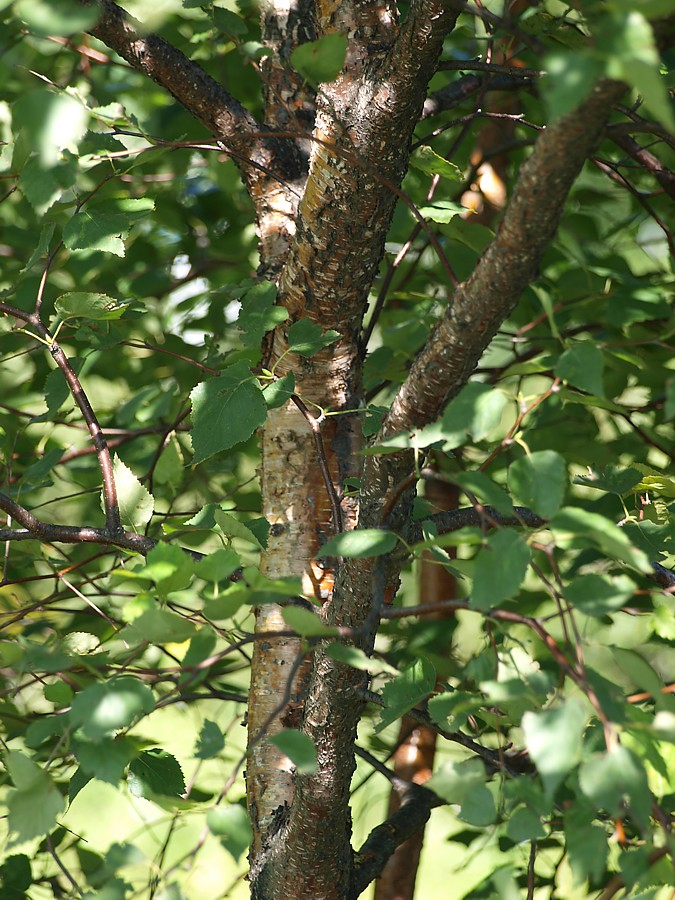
<point x="553" y="738"/>
<point x="358" y="544"/>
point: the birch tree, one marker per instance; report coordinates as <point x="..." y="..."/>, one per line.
<point x="244" y="257"/>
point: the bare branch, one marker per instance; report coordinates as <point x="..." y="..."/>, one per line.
<point x="413" y="813"/>
<point x="36" y="529"/>
<point x="647" y="160"/>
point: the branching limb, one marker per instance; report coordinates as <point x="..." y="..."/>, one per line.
<point x="416" y="803"/>
<point x="36" y="529"/>
<point x="112" y="512"/>
<point x="196" y="90"/>
<point x="510" y="263"/>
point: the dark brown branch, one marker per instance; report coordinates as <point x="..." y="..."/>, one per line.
<point x="112" y="511"/>
<point x="36" y="529"/>
<point x="467" y="86"/>
<point x="647" y="160"/>
<point x="200" y="94"/>
<point x="416" y="803"/>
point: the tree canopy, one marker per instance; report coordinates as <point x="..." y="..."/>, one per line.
<point x="338" y="385"/>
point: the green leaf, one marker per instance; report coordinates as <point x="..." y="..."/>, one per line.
<point x="298" y="748"/>
<point x="217" y="566"/>
<point x="320" y="61"/>
<point x="46" y="235"/>
<point x="568" y="81"/>
<point x="411" y="687"/>
<point x="612" y="479"/>
<point x="210" y="741"/>
<point x="357" y="659"/>
<point x="425" y="159"/>
<point x="484" y="488"/>
<point x="59" y="693"/>
<point x="280" y="391"/>
<point x="499" y="569"/>
<point x="106" y="759"/>
<point x="52" y="122"/>
<point x="226" y="410"/>
<point x="136" y="503"/>
<point x="33" y="806"/>
<point x="258" y="313"/>
<point x="539" y="481"/>
<point x="105" y="707"/>
<point x="442" y="211"/>
<point x="554" y="740"/>
<point x="156" y="773"/>
<point x="476" y="411"/>
<point x="159" y="626"/>
<point x="169" y="568"/>
<point x="63" y="18"/>
<point x="358" y="544"/>
<point x="586" y="844"/>
<point x="306" y="623"/>
<point x="15" y="876"/>
<point x="598" y="530"/>
<point x="102" y="226"/>
<point x="230" y="824"/>
<point x="582" y="365"/>
<point x="228" y="21"/>
<point x="95" y="307"/>
<point x="609" y="779"/>
<point x="42" y="185"/>
<point x="306" y="337"/>
<point x="233" y="528"/>
<point x="599" y="595"/>
<point x="524" y="825"/>
<point x="455" y="781"/>
<point x="632" y="56"/>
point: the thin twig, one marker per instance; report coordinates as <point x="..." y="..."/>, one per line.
<point x="315" y="425"/>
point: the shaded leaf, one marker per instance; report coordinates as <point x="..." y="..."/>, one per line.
<point x="226" y="410"/>
<point x="230" y="824"/>
<point x="411" y="687"/>
<point x="539" y="481"/>
<point x="104" y="707"/>
<point x="306" y="623"/>
<point x="320" y="61"/>
<point x="306" y="337"/>
<point x="610" y="779"/>
<point x="499" y="569"/>
<point x="156" y="772"/>
<point x="210" y="741"/>
<point x="582" y="365"/>
<point x="298" y="748"/>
